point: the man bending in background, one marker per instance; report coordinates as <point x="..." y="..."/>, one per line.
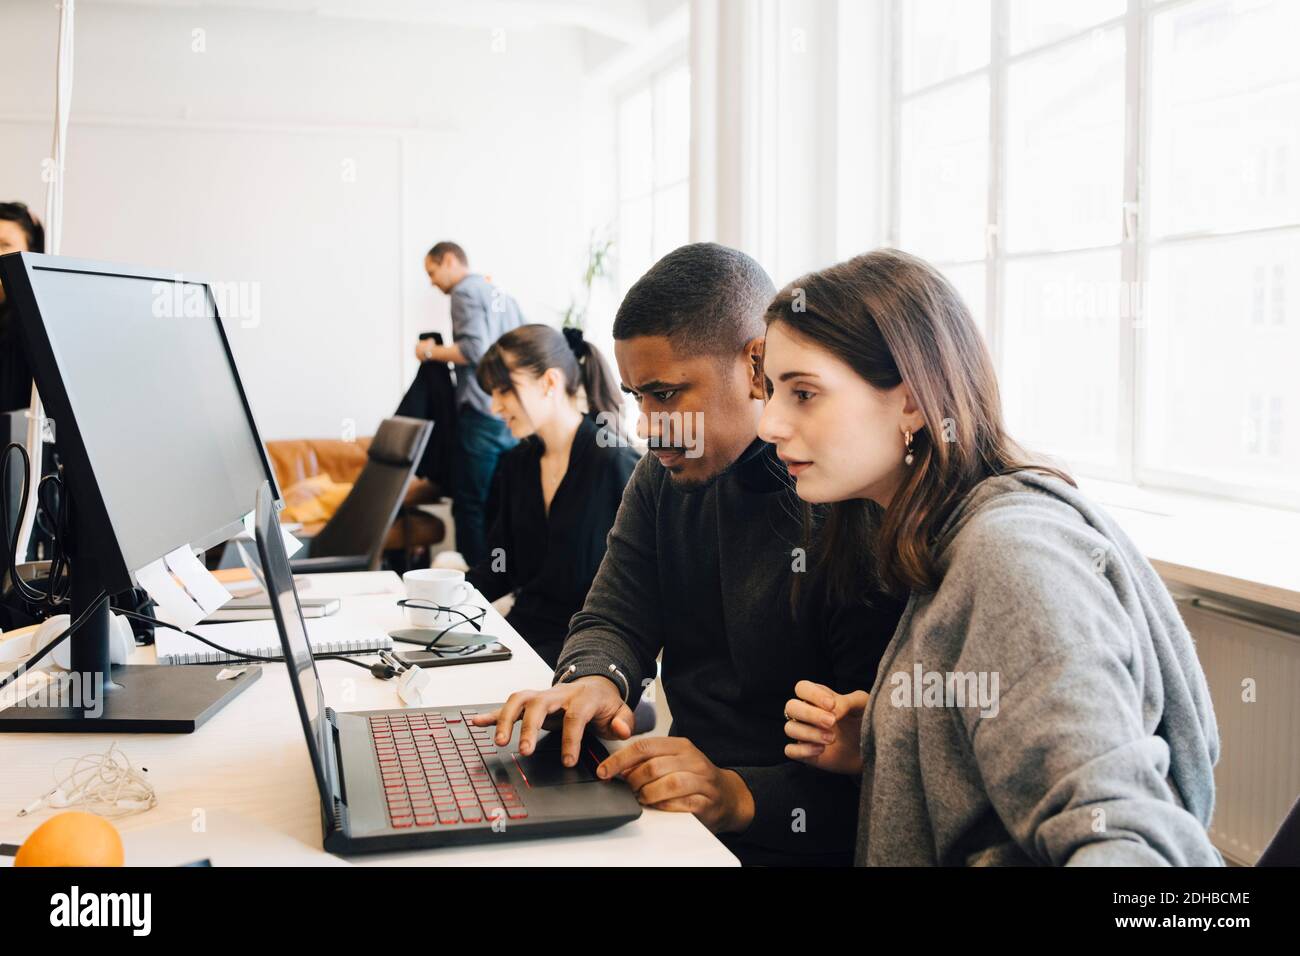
<point x="480" y="314"/>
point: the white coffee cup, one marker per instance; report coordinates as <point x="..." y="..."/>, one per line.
<point x="445" y="587"/>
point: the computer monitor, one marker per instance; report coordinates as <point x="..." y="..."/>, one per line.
<point x="159" y="447"/>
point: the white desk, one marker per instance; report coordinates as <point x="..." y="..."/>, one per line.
<point x="251" y="758"/>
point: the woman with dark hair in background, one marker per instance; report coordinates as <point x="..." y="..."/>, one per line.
<point x="20" y="231"/>
<point x="1041" y="701"/>
<point x="558" y="490"/>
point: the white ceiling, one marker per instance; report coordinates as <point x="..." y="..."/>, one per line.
<point x="622" y="21"/>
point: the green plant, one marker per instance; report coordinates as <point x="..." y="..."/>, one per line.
<point x="599" y="253"/>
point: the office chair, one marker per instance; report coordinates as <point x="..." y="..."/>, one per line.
<point x="353" y="539"/>
<point x="1284" y="848"/>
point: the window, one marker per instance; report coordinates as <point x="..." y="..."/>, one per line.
<point x="654" y="128"/>
<point x="1114" y="188"/>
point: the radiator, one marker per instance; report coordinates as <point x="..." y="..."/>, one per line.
<point x="1258" y="774"/>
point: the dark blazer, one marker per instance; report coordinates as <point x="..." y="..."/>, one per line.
<point x="432" y="396"/>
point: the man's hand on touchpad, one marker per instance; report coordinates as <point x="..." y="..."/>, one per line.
<point x="543" y="768"/>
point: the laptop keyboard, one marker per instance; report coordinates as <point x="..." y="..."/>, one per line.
<point x="438" y="770"/>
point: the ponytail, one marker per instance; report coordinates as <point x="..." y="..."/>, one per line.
<point x="604" y="403"/>
<point x="534" y="348"/>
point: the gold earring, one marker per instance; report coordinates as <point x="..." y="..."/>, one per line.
<point x="907" y="441"/>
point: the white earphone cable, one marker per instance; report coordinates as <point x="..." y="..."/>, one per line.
<point x="104" y="784"/>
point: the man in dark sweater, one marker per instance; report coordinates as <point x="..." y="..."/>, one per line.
<point x="699" y="565"/>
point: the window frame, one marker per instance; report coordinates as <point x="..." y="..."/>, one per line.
<point x="647" y="82"/>
<point x="1135" y="241"/>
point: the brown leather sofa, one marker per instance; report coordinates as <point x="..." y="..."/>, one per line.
<point x="299" y="458"/>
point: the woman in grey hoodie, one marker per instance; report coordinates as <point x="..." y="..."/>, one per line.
<point x="1041" y="701"/>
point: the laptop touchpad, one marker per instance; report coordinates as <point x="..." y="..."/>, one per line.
<point x="542" y="768"/>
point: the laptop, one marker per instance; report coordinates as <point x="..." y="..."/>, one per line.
<point x="406" y="778"/>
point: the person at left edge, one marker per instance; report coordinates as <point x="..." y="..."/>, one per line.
<point x="480" y="314"/>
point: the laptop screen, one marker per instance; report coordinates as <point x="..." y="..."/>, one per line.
<point x="278" y="581"/>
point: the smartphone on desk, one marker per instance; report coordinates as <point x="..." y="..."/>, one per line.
<point x="471" y="654"/>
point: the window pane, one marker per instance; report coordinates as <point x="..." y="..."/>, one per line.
<point x="1222" y="337"/>
<point x="1065" y="146"/>
<point x="943" y="38"/>
<point x="970" y="282"/>
<point x="943" y="197"/>
<point x="673" y="127"/>
<point x="1225" y="149"/>
<point x="635" y="234"/>
<point x="672" y="211"/>
<point x="1035" y="22"/>
<point x="1060" y="374"/>
<point x="635" y="153"/>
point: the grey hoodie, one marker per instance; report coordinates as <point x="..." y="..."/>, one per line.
<point x="1044" y="706"/>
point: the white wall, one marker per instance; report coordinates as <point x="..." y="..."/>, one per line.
<point x="316" y="159"/>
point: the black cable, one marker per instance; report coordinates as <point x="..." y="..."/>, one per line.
<point x="42" y="522"/>
<point x="81" y="619"/>
<point x="140" y="602"/>
<point x="55" y="596"/>
<point x="382" y="671"/>
<point x="25" y="591"/>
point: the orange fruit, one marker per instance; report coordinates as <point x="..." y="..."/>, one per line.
<point x="72" y="839"/>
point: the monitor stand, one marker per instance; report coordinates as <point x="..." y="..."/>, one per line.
<point x="96" y="697"/>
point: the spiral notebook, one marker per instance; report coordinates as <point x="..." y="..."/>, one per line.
<point x="251" y="638"/>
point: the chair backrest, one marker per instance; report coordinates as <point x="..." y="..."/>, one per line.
<point x="1284" y="848"/>
<point x="361" y="522"/>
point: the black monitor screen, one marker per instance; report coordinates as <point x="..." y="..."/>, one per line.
<point x="158" y="404"/>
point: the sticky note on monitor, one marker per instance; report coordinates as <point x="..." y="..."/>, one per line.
<point x="207" y="592"/>
<point x="175" y="606"/>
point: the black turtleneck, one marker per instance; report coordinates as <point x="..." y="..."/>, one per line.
<point x="549" y="560"/>
<point x="704" y="576"/>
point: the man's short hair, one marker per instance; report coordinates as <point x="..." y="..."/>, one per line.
<point x="705" y="298"/>
<point x="440" y="249"/>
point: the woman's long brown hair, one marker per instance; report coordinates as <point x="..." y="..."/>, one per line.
<point x="894" y="318"/>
